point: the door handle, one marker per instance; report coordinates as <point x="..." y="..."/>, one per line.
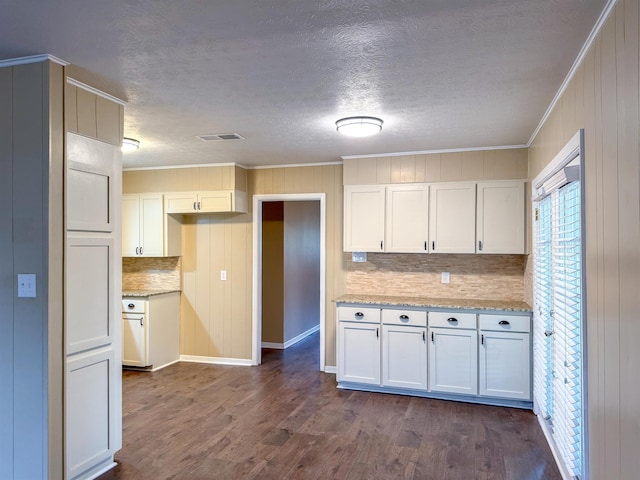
<point x="137" y="249"/>
<point x="140" y="250"/>
<point x="425" y="245"/>
<point x="480" y="245"/>
<point x="481" y="339"/>
<point x="433" y="245"/>
<point x="424" y="337"/>
<point x="381" y="244"/>
<point x="141" y="321"/>
<point x="194" y="206"/>
<point x="377" y="332"/>
<point x="198" y="205"/>
<point x="432" y="339"/>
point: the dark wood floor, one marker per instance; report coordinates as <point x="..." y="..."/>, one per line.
<point x="285" y="419"/>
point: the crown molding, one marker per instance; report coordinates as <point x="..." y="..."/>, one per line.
<point x="100" y="93"/>
<point x="430" y="152"/>
<point x="11" y="62"/>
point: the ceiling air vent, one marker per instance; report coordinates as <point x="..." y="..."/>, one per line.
<point x="215" y="137"/>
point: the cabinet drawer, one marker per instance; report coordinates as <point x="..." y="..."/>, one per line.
<point x="404" y="317"/>
<point x="131" y="305"/>
<point x="452" y="320"/>
<point x="505" y="323"/>
<point x="359" y="314"/>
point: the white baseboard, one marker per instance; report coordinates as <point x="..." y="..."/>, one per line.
<point x="155" y="369"/>
<point x="245" y="362"/>
<point x="328" y="369"/>
<point x="293" y="341"/>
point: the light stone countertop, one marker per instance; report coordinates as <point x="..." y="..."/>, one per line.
<point x="147" y="292"/>
<point x="426" y="302"/>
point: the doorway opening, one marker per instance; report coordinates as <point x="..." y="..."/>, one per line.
<point x="289" y="268"/>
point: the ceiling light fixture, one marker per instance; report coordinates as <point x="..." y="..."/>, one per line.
<point x="130" y="144"/>
<point x="359" y="126"/>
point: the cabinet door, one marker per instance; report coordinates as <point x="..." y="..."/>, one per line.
<point x="182" y="202"/>
<point x="452" y="218"/>
<point x="505" y="365"/>
<point x="406" y="221"/>
<point x="130" y="225"/>
<point x="453" y="361"/>
<point x="364" y="219"/>
<point x="214" y="202"/>
<point x="404" y="357"/>
<point x="134" y="348"/>
<point x="501" y="217"/>
<point x="359" y="353"/>
<point x="151" y="225"/>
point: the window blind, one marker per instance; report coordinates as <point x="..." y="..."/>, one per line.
<point x="557" y="320"/>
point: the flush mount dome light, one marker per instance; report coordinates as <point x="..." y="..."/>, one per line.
<point x="359" y="126"/>
<point x="130" y="144"/>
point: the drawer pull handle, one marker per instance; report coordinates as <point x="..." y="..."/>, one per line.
<point x="131" y="305"/>
<point x="359" y="315"/>
<point x="503" y="322"/>
<point x="452" y="320"/>
<point x="404" y="318"/>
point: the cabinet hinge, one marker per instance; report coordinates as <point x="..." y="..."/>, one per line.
<point x="537" y="214"/>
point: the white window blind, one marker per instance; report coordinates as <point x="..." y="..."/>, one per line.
<point x="557" y="319"/>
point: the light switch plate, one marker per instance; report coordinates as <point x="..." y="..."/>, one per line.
<point x="223" y="275"/>
<point x="446" y="277"/>
<point x="358" y="257"/>
<point x="27" y="285"/>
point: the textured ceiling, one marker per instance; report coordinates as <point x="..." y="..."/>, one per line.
<point x="441" y="73"/>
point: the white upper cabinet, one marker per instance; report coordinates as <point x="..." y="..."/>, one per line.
<point x="146" y="230"/>
<point x="407" y="213"/>
<point x="364" y="218"/>
<point x="218" y="201"/>
<point x="501" y="217"/>
<point x="452" y="218"/>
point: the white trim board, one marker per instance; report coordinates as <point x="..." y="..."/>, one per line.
<point x="292" y="341"/>
<point x="331" y="369"/>
<point x="430" y="152"/>
<point x="95" y="91"/>
<point x="216" y="360"/>
<point x="11" y="62"/>
<point x="256" y="295"/>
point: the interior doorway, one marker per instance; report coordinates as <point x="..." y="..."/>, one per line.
<point x="290" y="244"/>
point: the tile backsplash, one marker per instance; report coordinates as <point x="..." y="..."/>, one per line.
<point x="140" y="273"/>
<point x="494" y="277"/>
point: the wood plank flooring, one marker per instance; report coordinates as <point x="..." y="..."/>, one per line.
<point x="287" y="420"/>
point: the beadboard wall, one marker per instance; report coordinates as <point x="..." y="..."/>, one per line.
<point x="153" y="273"/>
<point x="491" y="277"/>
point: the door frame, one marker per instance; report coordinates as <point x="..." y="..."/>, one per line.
<point x="256" y="315"/>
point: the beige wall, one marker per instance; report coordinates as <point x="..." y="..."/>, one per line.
<point x="301" y="267"/>
<point x="602" y="98"/>
<point x="273" y="272"/>
<point x="438" y="167"/>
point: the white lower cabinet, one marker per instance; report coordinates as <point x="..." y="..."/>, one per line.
<point x="484" y="356"/>
<point x="505" y="357"/>
<point x="359" y="345"/>
<point x="359" y="353"/>
<point x="404" y="357"/>
<point x="453" y="361"/>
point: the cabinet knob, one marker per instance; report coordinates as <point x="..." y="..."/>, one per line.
<point x="404" y="318"/>
<point x="359" y="315"/>
<point x="131" y="305"/>
<point x="452" y="320"/>
<point x="503" y="322"/>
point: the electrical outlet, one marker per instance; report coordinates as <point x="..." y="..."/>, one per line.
<point x="223" y="275"/>
<point x="446" y="277"/>
<point x="358" y="257"/>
